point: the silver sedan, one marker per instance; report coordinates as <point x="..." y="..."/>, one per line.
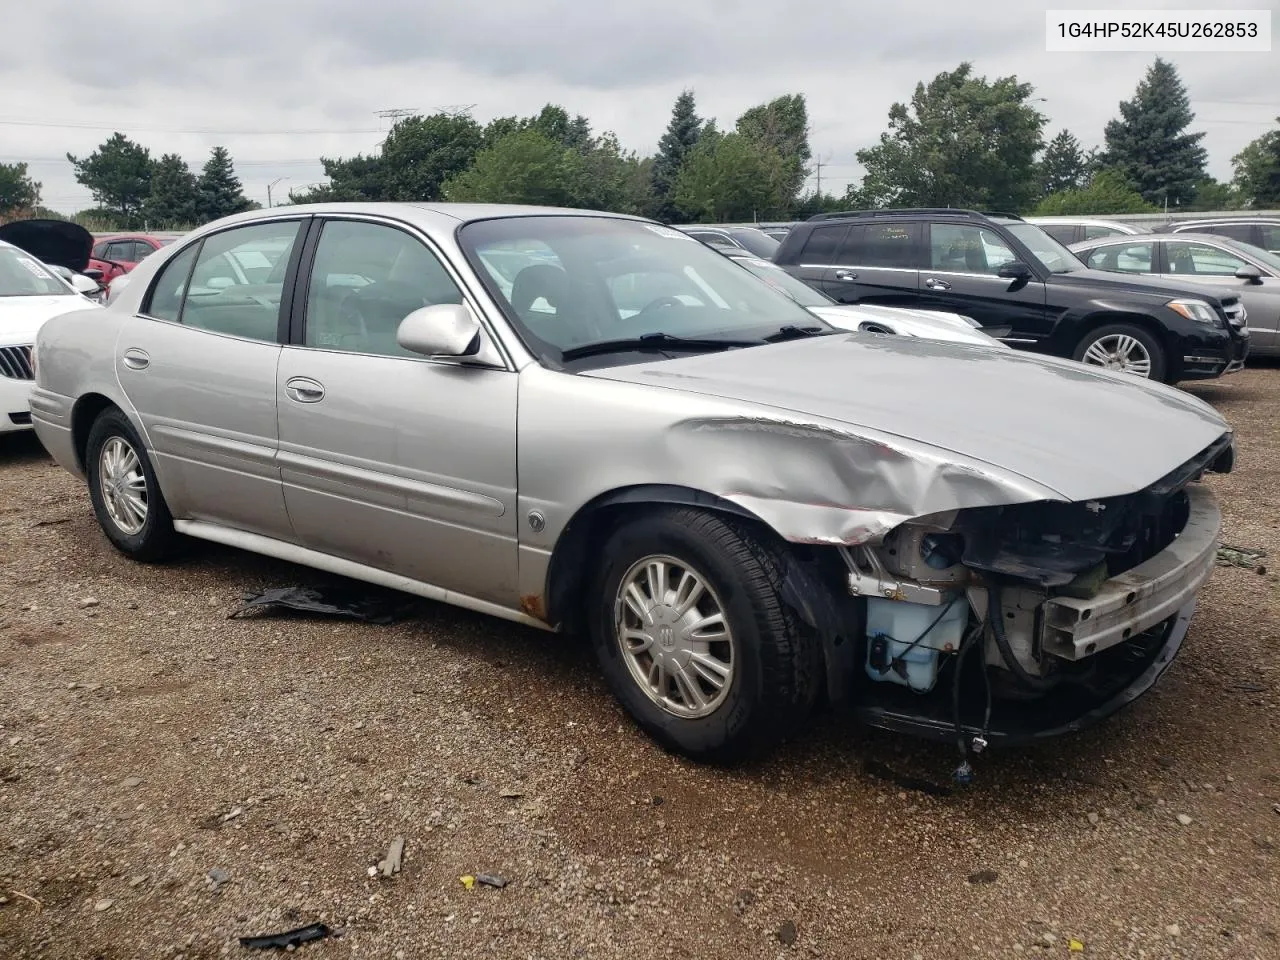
<point x="593" y="422"/>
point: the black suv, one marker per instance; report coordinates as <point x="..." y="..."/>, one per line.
<point x="1022" y="286"/>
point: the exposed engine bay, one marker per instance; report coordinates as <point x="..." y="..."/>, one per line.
<point x="1012" y="621"/>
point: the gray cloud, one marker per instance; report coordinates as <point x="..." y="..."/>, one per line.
<point x="301" y="68"/>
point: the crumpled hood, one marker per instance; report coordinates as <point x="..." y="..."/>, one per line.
<point x="1080" y="431"/>
<point x="22" y="317"/>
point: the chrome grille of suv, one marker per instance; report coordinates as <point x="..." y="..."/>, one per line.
<point x="15" y="363"/>
<point x="1235" y="312"/>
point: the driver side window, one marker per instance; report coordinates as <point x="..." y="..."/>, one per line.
<point x="365" y="279"/>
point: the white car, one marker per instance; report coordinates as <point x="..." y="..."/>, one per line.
<point x="30" y="293"/>
<point x="868" y="318"/>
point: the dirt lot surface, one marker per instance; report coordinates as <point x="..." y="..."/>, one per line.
<point x="146" y="740"/>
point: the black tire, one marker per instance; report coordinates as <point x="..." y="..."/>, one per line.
<point x="777" y="660"/>
<point x="1159" y="368"/>
<point x="156" y="539"/>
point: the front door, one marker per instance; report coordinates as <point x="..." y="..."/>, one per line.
<point x="389" y="459"/>
<point x="199" y="366"/>
<point x="962" y="277"/>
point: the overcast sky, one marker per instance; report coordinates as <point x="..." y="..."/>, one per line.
<point x="282" y="82"/>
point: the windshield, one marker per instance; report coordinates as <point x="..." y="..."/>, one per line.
<point x="797" y="290"/>
<point x="1054" y="256"/>
<point x="566" y="281"/>
<point x="22" y="275"/>
<point x="1264" y="257"/>
<point x="757" y="241"/>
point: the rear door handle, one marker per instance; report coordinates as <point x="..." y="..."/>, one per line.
<point x="846" y="275"/>
<point x="136" y="359"/>
<point x="933" y="283"/>
<point x="304" y="390"/>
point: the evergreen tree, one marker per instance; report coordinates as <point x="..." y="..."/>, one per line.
<point x="683" y="133"/>
<point x="118" y="174"/>
<point x="1148" y="144"/>
<point x="1064" y="165"/>
<point x="782" y="125"/>
<point x="174" y="194"/>
<point x="219" y="188"/>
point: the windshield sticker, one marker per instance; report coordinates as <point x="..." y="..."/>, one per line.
<point x="34" y="268"/>
<point x="669" y="233"/>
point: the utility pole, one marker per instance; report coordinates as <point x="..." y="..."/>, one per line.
<point x="269" y="186"/>
<point x="817" y="165"/>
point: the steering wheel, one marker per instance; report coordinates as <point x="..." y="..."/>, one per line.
<point x="660" y="304"/>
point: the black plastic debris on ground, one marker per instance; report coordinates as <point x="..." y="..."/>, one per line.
<point x="356" y="603"/>
<point x="290" y="938"/>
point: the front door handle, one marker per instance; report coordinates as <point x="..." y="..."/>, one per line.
<point x="136" y="359"/>
<point x="933" y="283"/>
<point x="846" y="275"/>
<point x="304" y="390"/>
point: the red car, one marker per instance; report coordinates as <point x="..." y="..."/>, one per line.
<point x="119" y="253"/>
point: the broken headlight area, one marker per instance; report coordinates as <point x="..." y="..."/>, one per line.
<point x="1026" y="620"/>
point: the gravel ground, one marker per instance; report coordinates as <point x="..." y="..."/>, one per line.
<point x="146" y="740"/>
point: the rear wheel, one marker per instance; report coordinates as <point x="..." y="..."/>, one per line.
<point x="693" y="637"/>
<point x="1125" y="348"/>
<point x="122" y="486"/>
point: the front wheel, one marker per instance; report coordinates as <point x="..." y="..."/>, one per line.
<point x="1124" y="348"/>
<point x="694" y="638"/>
<point x="122" y="486"/>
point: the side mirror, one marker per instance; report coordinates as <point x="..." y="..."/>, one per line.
<point x="66" y="273"/>
<point x="1250" y="273"/>
<point x="1014" y="270"/>
<point x="84" y="285"/>
<point x="441" y="330"/>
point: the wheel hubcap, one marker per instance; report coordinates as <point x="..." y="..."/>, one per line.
<point x="674" y="636"/>
<point x="123" y="484"/>
<point x="1119" y="351"/>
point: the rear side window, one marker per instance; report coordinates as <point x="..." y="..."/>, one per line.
<point x="1270" y="239"/>
<point x="1236" y="231"/>
<point x="1065" y="232"/>
<point x="881" y="245"/>
<point x="1091" y="233"/>
<point x="822" y="244"/>
<point x="166" y="295"/>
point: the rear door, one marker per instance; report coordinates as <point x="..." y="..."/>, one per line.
<point x="961" y="276"/>
<point x="199" y="365"/>
<point x="820" y="247"/>
<point x="877" y="263"/>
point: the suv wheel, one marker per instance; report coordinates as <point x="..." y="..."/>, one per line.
<point x="122" y="486"/>
<point x="693" y="637"/>
<point x="1125" y="348"/>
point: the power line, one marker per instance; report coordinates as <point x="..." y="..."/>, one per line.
<point x="208" y="131"/>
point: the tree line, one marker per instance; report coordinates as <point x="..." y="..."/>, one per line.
<point x="961" y="141"/>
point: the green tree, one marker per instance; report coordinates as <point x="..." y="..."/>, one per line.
<point x="1064" y="165"/>
<point x="357" y="179"/>
<point x="1108" y="193"/>
<point x="782" y="126"/>
<point x="19" y="194"/>
<point x="522" y="167"/>
<point x="732" y="177"/>
<point x="674" y="148"/>
<point x="118" y="174"/>
<point x="1148" y="143"/>
<point x="1257" y="171"/>
<point x="175" y="194"/>
<point x="962" y="142"/>
<point x="611" y="178"/>
<point x="421" y="153"/>
<point x="219" y="188"/>
<point x="1212" y="194"/>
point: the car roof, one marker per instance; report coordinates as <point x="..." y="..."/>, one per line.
<point x="1216" y="221"/>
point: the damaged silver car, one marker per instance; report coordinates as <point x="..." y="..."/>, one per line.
<point x="592" y="422"/>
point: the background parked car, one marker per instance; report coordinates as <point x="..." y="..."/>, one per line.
<point x="866" y="318"/>
<point x="1068" y="230"/>
<point x="62" y="246"/>
<point x="30" y="293"/>
<point x="746" y="238"/>
<point x="119" y="253"/>
<point x="1023" y="287"/>
<point x="1207" y="258"/>
<point x="1262" y="232"/>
